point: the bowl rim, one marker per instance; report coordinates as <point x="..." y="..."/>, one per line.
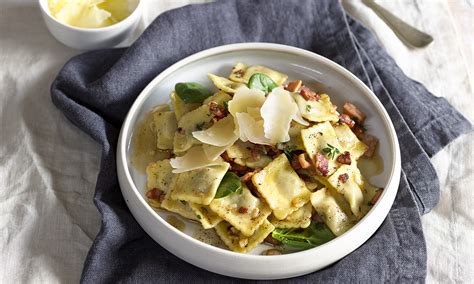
<point x="393" y="180"/>
<point x="127" y="21"/>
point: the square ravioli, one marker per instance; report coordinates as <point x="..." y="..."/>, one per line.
<point x="237" y="242"/>
<point x="316" y="110"/>
<point x="200" y="185"/>
<point x="180" y="108"/>
<point x="280" y="186"/>
<point x="318" y="138"/>
<point x="349" y="141"/>
<point x="347" y="181"/>
<point x="165" y="127"/>
<point x="242" y="210"/>
<point x="179" y="207"/>
<point x="195" y="120"/>
<point x="301" y="218"/>
<point x="159" y="177"/>
<point x="329" y="207"/>
<point x="207" y="217"/>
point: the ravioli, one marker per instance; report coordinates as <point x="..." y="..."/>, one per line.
<point x="242" y="210"/>
<point x="207" y="217"/>
<point x="165" y="126"/>
<point x="224" y="84"/>
<point x="325" y="204"/>
<point x="281" y="187"/>
<point x="317" y="111"/>
<point x="349" y="141"/>
<point x="159" y="175"/>
<point x="347" y="181"/>
<point x="319" y="137"/>
<point x="200" y="185"/>
<point x="180" y="107"/>
<point x="179" y="207"/>
<point x="197" y="119"/>
<point x="240" y="152"/>
<point x="238" y="242"/>
<point x="242" y="73"/>
<point x="301" y="218"/>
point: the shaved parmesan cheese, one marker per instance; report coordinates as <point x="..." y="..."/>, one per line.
<point x="251" y="129"/>
<point x="219" y="134"/>
<point x="213" y="152"/>
<point x="277" y="113"/>
<point x="245" y="98"/>
<point x="254" y="112"/>
<point x="195" y="158"/>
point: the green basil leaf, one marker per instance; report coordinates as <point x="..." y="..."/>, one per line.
<point x="316" y="234"/>
<point x="262" y="82"/>
<point x="230" y="183"/>
<point x="192" y="92"/>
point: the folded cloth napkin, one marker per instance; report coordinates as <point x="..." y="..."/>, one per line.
<point x="96" y="89"/>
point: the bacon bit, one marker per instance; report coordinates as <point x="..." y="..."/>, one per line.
<point x="322" y="164"/>
<point x="347" y="120"/>
<point x="156" y="194"/>
<point x="272" y="151"/>
<point x="217" y="111"/>
<point x="343" y="178"/>
<point x="295" y="164"/>
<point x="354" y="113"/>
<point x="371" y="143"/>
<point x="376" y="196"/>
<point x="303" y="162"/>
<point x="344" y="158"/>
<point x="180" y="130"/>
<point x="226" y="157"/>
<point x="239" y="169"/>
<point x="293" y="86"/>
<point x="309" y="95"/>
<point x="247" y="176"/>
<point x="271" y="252"/>
<point x="270" y="240"/>
<point x="358" y="131"/>
<point x="243" y="210"/>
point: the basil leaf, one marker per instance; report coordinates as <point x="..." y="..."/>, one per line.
<point x="262" y="82"/>
<point x="316" y="234"/>
<point x="192" y="92"/>
<point x="229" y="184"/>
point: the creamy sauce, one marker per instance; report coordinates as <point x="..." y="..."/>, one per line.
<point x="144" y="150"/>
<point x="370" y="167"/>
<point x="209" y="237"/>
<point x="176" y="222"/>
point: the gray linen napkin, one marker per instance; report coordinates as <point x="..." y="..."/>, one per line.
<point x="96" y="89"/>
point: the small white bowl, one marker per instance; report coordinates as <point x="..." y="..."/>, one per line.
<point x="92" y="38"/>
<point x="339" y="83"/>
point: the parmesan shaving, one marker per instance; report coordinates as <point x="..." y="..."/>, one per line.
<point x="251" y="129"/>
<point x="219" y="134"/>
<point x="195" y="158"/>
<point x="245" y="98"/>
<point x="277" y="113"/>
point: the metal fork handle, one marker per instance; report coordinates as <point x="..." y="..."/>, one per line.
<point x="404" y="31"/>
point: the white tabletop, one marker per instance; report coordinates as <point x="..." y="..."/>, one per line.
<point x="48" y="167"/>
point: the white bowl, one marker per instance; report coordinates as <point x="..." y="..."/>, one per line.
<point x="92" y="38"/>
<point x="340" y="84"/>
